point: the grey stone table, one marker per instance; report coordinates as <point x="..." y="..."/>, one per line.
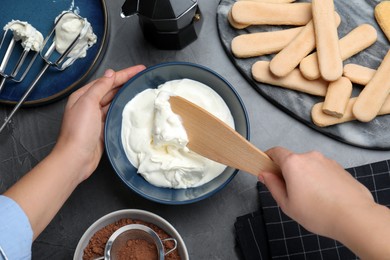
<point x="206" y="226"/>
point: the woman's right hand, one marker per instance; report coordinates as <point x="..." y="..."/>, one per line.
<point x="325" y="199"/>
<point x="315" y="189"/>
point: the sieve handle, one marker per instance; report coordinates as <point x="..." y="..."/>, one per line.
<point x="173" y="249"/>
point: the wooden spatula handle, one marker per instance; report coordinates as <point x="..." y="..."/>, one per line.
<point x="237" y="151"/>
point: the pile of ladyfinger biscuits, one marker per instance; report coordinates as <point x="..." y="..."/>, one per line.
<point x="309" y="56"/>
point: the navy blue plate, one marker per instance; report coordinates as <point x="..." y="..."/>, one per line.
<point x="41" y="15"/>
<point x="151" y="78"/>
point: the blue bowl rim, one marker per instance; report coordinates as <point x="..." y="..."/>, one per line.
<point x="164" y="64"/>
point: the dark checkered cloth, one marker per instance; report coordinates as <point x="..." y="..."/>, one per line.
<point x="270" y="234"/>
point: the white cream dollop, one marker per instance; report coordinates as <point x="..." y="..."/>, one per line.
<point x="168" y="129"/>
<point x="67" y="29"/>
<point x="155" y="140"/>
<point x="30" y="37"/>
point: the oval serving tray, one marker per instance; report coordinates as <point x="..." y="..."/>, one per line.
<point x="372" y="135"/>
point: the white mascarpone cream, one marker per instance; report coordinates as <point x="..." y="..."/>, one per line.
<point x="168" y="129"/>
<point x="31" y="38"/>
<point x="67" y="29"/>
<point x="155" y="140"/>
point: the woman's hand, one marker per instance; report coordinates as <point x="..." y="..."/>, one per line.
<point x="81" y="136"/>
<point x="43" y="190"/>
<point x="315" y="189"/>
<point x="325" y="199"/>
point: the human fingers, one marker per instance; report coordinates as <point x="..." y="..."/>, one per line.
<point x="121" y="77"/>
<point x="96" y="90"/>
<point x="276" y="186"/>
<point x="81" y="91"/>
<point x="100" y="90"/>
<point x="278" y="154"/>
<point x="85" y="89"/>
<point x="106" y="100"/>
<point x="104" y="112"/>
<point x="124" y="75"/>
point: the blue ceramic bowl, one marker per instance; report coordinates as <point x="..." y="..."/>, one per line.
<point x="151" y="78"/>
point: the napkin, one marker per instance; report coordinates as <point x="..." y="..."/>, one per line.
<point x="269" y="234"/>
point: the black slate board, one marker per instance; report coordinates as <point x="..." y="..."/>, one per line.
<point x="372" y="135"/>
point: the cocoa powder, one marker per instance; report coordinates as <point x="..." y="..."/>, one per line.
<point x="97" y="243"/>
<point x="138" y="249"/>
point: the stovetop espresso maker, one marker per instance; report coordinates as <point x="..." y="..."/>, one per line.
<point x="167" y="24"/>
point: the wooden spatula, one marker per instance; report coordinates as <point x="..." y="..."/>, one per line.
<point x="214" y="139"/>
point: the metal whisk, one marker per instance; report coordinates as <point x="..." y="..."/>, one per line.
<point x="19" y="67"/>
<point x="52" y="59"/>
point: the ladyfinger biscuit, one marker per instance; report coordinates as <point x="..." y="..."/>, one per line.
<point x="322" y="120"/>
<point x="256" y="13"/>
<point x="358" y="74"/>
<point x="290" y="56"/>
<point x="337" y="97"/>
<point x="233" y="23"/>
<point x="374" y="94"/>
<point x="294" y="80"/>
<point x="382" y="16"/>
<point x="355" y="41"/>
<point x="327" y="40"/>
<point x="261" y="43"/>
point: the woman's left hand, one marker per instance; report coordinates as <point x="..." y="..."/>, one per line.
<point x="82" y="130"/>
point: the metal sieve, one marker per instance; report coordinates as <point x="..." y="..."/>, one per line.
<point x="119" y="239"/>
